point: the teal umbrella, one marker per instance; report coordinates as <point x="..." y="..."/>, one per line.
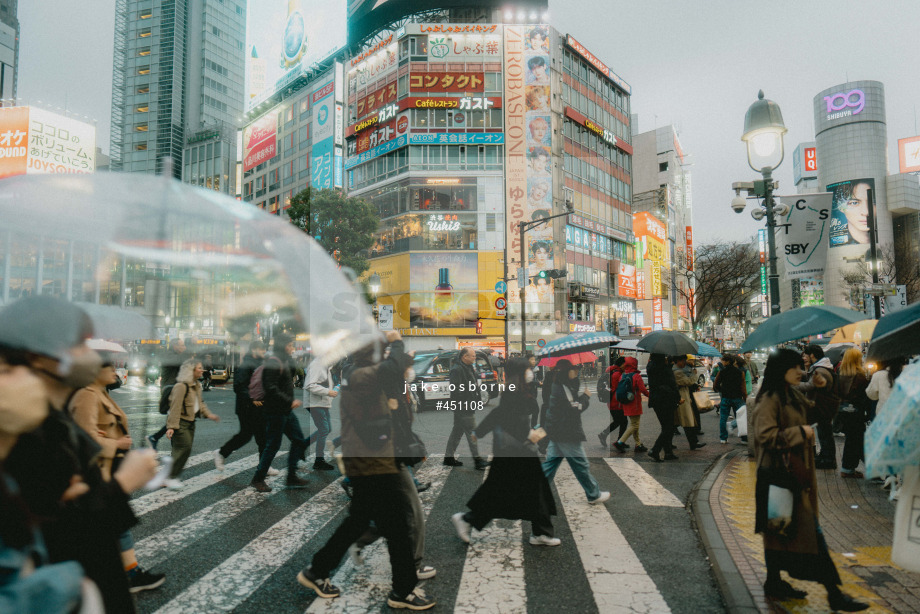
<point x="897" y="334"/>
<point x="798" y="323"/>
<point x="578" y="342"/>
<point x="707" y="350"/>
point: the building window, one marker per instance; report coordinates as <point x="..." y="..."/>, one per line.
<point x="140" y="147"/>
<point x="140" y="128"/>
<point x="145" y="14"/>
<point x="141" y="109"/>
<point x="143" y="70"/>
<point x="143" y="89"/>
<point x="215" y="31"/>
<point x="143" y="51"/>
<point x="490" y="222"/>
<point x="663" y="166"/>
<point x="143" y="33"/>
<point x="437" y="231"/>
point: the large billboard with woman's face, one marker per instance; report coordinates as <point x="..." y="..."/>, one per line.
<point x="850" y="212"/>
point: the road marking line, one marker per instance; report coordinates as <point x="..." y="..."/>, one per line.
<point x="229" y="584"/>
<point x="644" y="486"/>
<point x="365" y="588"/>
<point x="159" y="498"/>
<point x="617" y="578"/>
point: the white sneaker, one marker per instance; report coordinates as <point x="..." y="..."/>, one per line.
<point x="273" y="471"/>
<point x="356" y="554"/>
<point x="603" y="497"/>
<point x="426" y="572"/>
<point x="544" y="540"/>
<point x="463" y="527"/>
<point x="219" y="461"/>
<point x="173" y="484"/>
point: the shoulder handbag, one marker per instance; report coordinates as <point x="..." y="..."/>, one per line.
<point x="703" y="402"/>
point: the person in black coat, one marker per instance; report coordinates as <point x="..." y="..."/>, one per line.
<point x="464" y="402"/>
<point x="663" y="398"/>
<point x="279" y="405"/>
<point x="252" y="419"/>
<point x="516" y="487"/>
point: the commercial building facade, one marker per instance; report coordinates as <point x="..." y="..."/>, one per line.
<point x="9" y="51"/>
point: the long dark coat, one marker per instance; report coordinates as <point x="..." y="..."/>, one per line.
<point x="516" y="487"/>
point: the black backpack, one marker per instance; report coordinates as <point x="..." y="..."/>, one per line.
<point x="603" y="388"/>
<point x="164" y="398"/>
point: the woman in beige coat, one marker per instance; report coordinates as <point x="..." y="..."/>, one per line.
<point x="185" y="405"/>
<point x="99" y="415"/>
<point x="783" y="438"/>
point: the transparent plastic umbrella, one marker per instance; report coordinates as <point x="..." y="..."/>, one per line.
<point x="233" y="260"/>
<point x="893" y="438"/>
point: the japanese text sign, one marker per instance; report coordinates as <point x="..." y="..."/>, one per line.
<point x="447" y="81"/>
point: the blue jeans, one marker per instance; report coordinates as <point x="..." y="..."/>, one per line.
<point x="277" y="426"/>
<point x="125" y="542"/>
<point x="323" y="423"/>
<point x="574" y="453"/>
<point x="725" y="408"/>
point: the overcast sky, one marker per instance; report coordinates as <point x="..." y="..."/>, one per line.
<point x="694" y="63"/>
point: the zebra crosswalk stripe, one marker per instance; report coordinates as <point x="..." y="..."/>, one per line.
<point x="617" y="577"/>
<point x="644" y="486"/>
<point x="493" y="573"/>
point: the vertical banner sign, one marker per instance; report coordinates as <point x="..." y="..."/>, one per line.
<point x="764" y="291"/>
<point x="528" y="158"/>
<point x="850" y="212"/>
<point x="657" y="314"/>
<point x="803" y="234"/>
<point x="640" y="284"/>
<point x="626" y="281"/>
<point x="321" y="159"/>
<point x="689" y="248"/>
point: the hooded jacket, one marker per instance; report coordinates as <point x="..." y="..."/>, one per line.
<point x="614" y="373"/>
<point x="318" y="385"/>
<point x="825" y="398"/>
<point x="631" y="369"/>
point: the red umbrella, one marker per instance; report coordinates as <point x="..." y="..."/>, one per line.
<point x="576" y="359"/>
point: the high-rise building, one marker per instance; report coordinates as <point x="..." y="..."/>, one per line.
<point x="9" y="51"/>
<point x="178" y="88"/>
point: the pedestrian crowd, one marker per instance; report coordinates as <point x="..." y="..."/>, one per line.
<point x="67" y="467"/>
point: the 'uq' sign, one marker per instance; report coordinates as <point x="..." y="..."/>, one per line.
<point x="845" y="104"/>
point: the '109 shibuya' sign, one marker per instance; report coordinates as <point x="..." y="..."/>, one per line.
<point x="845" y="104"/>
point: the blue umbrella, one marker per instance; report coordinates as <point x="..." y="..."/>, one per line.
<point x="707" y="350"/>
<point x="798" y="323"/>
<point x="897" y="334"/>
<point x="893" y="438"/>
<point x="578" y="342"/>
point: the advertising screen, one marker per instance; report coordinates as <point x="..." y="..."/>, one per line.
<point x="283" y="37"/>
<point x="802" y="234"/>
<point x="909" y="154"/>
<point x="260" y="141"/>
<point x="850" y="212"/>
<point x="35" y="141"/>
<point x="444" y="289"/>
<point x="321" y="162"/>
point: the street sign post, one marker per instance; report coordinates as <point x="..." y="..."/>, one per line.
<point x="501" y="287"/>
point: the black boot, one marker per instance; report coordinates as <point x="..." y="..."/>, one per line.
<point x="841" y="602"/>
<point x="782" y="590"/>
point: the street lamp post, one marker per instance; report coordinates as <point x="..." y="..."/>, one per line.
<point x="763" y="136"/>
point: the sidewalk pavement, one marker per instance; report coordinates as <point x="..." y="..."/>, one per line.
<point x="855" y="515"/>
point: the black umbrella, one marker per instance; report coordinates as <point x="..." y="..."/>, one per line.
<point x="897" y="334"/>
<point x="668" y="342"/>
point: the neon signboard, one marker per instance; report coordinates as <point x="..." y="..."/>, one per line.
<point x="845" y="104"/>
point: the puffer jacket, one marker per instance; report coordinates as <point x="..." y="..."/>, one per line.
<point x="631" y="369"/>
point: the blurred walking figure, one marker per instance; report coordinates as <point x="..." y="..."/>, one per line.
<point x="279" y="405"/>
<point x="81" y="514"/>
<point x="169" y="371"/>
<point x="100" y="416"/>
<point x="250" y="414"/>
<point x="632" y="409"/>
<point x="565" y="433"/>
<point x="784" y="442"/>
<point x="617" y="417"/>
<point x="664" y="398"/>
<point x="729" y="383"/>
<point x="464" y="403"/>
<point x="319" y="394"/>
<point x="185" y="405"/>
<point x="853" y="413"/>
<point x="821" y="389"/>
<point x="516" y="487"/>
<point x="381" y="484"/>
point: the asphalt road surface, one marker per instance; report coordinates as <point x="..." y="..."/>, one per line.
<point x="227" y="548"/>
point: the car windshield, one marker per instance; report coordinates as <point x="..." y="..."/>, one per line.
<point x="422" y="361"/>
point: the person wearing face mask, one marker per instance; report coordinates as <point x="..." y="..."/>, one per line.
<point x="565" y="433"/>
<point x="81" y="514"/>
<point x="784" y="439"/>
<point x="28" y="583"/>
<point x="185" y="406"/>
<point x="516" y="487"/>
<point x="100" y="416"/>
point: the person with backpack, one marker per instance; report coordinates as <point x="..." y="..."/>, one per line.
<point x="274" y="383"/>
<point x="185" y="405"/>
<point x="175" y="355"/>
<point x="252" y="418"/>
<point x="606" y="387"/>
<point x="565" y="433"/>
<point x="628" y="393"/>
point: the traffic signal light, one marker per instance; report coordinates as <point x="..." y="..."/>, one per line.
<point x="543" y="275"/>
<point x="552" y="274"/>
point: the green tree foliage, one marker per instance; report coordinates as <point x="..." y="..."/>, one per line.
<point x="344" y="226"/>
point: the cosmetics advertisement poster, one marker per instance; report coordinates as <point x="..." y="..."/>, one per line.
<point x="444" y="289"/>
